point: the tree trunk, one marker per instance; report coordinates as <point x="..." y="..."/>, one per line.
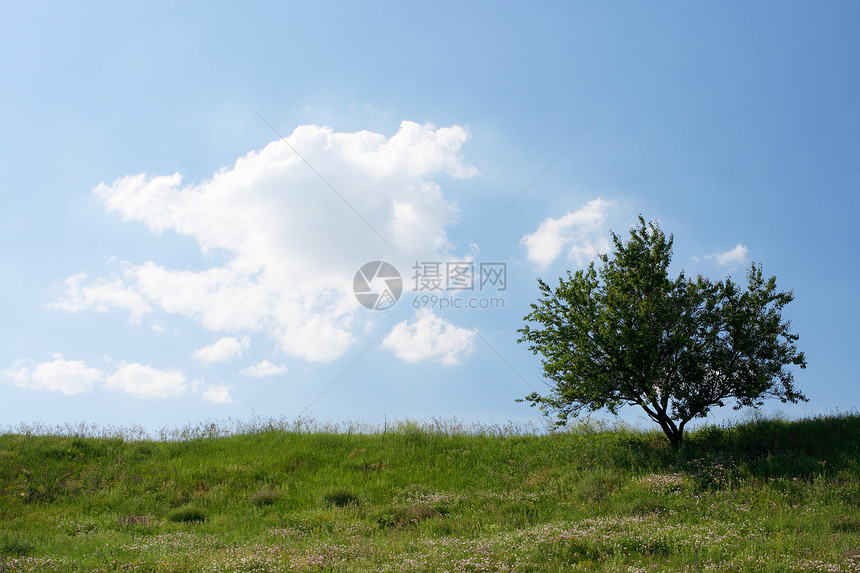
<point x="673" y="432"/>
<point x="676" y="438"/>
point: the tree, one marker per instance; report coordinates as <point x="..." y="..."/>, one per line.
<point x="627" y="334"/>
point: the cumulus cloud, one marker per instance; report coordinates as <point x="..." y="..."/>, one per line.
<point x="414" y="150"/>
<point x="291" y="243"/>
<point x="102" y="295"/>
<point x="580" y="232"/>
<point x="225" y="348"/>
<point x="68" y="377"/>
<point x="264" y="368"/>
<point x="146" y="381"/>
<point x="736" y="256"/>
<point x="72" y="377"/>
<point x="219" y="393"/>
<point x="429" y="338"/>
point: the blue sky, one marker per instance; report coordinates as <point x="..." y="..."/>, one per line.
<point x="168" y="258"/>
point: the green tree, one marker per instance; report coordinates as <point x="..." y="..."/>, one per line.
<point x="627" y="334"/>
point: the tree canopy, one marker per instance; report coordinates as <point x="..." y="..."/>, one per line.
<point x="627" y="334"/>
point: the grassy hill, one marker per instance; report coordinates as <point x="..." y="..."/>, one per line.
<point x="767" y="495"/>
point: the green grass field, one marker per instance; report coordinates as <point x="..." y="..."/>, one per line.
<point x="766" y="495"/>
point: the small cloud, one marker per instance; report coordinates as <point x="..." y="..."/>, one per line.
<point x="224" y="349"/>
<point x="102" y="295"/>
<point x="219" y="393"/>
<point x="71" y="377"/>
<point x="68" y="377"/>
<point x="429" y="337"/>
<point x="736" y="256"/>
<point x="580" y="232"/>
<point x="264" y="368"/>
<point x="146" y="381"/>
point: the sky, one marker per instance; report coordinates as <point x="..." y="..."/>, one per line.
<point x="193" y="195"/>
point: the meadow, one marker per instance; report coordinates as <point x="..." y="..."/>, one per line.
<point x="766" y="495"/>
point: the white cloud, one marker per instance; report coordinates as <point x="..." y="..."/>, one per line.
<point x="414" y="150"/>
<point x="219" y="393"/>
<point x="145" y="381"/>
<point x="102" y="295"/>
<point x="429" y="337"/>
<point x="736" y="256"/>
<point x="580" y="232"/>
<point x="292" y="245"/>
<point x="225" y="348"/>
<point x="69" y="377"/>
<point x="75" y="377"/>
<point x="264" y="368"/>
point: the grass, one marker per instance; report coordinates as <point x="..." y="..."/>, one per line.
<point x="768" y="495"/>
